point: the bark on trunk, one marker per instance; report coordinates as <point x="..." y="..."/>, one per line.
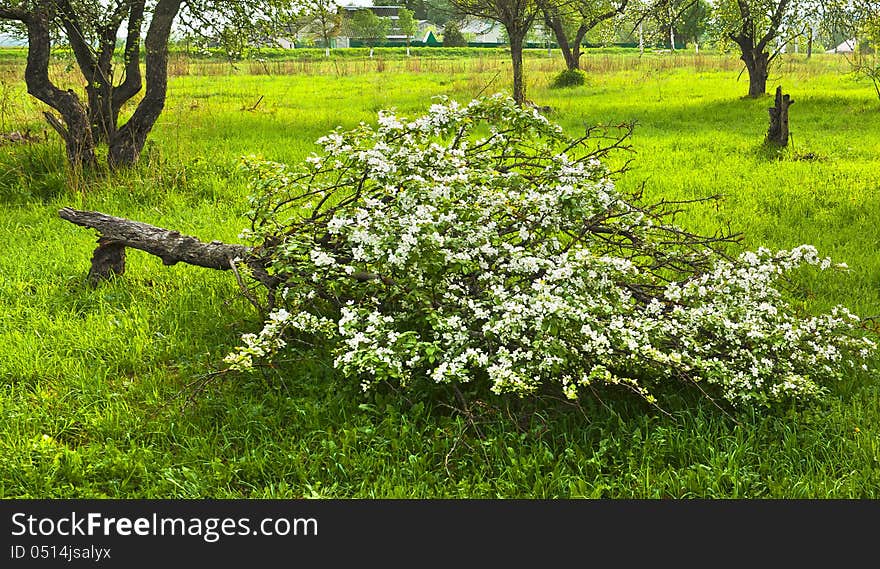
<point x="778" y="133"/>
<point x="96" y="65"/>
<point x="128" y="142"/>
<point x="570" y="51"/>
<point x="133" y="82"/>
<point x="106" y="99"/>
<point x="172" y="247"/>
<point x="753" y="46"/>
<point x="516" y="56"/>
<point x="76" y="128"/>
<point x="757" y="64"/>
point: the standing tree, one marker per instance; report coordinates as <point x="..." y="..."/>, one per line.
<point x="407" y="25"/>
<point x="693" y="22"/>
<point x="326" y="19"/>
<point x="452" y="36"/>
<point x="571" y="21"/>
<point x="370" y="28"/>
<point x="753" y="25"/>
<point x="517" y="17"/>
<point x="90" y="28"/>
<point x="862" y="24"/>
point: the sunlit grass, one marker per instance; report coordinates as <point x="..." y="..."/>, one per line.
<point x="90" y="378"/>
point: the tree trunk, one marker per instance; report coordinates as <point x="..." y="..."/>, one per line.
<point x="516" y="56"/>
<point x="573" y="61"/>
<point x="76" y="128"/>
<point x="102" y="115"/>
<point x="128" y="141"/>
<point x="757" y="64"/>
<point x="778" y="133"/>
<point x="133" y="82"/>
<point x="753" y="46"/>
<point x="570" y="51"/>
<point x="810" y="44"/>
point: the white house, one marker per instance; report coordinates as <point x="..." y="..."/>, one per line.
<point x="483" y="31"/>
<point x="849" y="46"/>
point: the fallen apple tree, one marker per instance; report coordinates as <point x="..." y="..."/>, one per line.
<point x="480" y="244"/>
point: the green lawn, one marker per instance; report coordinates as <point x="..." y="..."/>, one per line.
<point x="94" y="382"/>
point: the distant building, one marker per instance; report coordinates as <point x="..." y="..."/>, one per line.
<point x="849" y="46"/>
<point x="477" y="31"/>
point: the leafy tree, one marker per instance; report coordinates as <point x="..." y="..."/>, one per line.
<point x="694" y="22"/>
<point x="407" y="25"/>
<point x="754" y="26"/>
<point x="370" y="28"/>
<point x="861" y="22"/>
<point x="452" y="36"/>
<point x="517" y="17"/>
<point x="327" y="20"/>
<point x="91" y="28"/>
<point x="438" y="11"/>
<point x="570" y="21"/>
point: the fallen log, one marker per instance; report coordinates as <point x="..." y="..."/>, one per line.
<point x="117" y="233"/>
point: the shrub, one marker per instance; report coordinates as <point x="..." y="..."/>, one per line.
<point x="569" y="78"/>
<point x="479" y="243"/>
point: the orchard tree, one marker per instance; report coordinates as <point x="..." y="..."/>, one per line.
<point x="90" y="28"/>
<point x="326" y="20"/>
<point x="861" y="22"/>
<point x="693" y="22"/>
<point x="452" y="36"/>
<point x="369" y="27"/>
<point x="570" y="22"/>
<point x="407" y="25"/>
<point x="671" y="20"/>
<point x="517" y="17"/>
<point x="755" y="26"/>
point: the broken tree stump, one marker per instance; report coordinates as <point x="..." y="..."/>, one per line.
<point x="117" y="233"/>
<point x="778" y="134"/>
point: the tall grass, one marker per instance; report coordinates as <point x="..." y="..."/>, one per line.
<point x="94" y="381"/>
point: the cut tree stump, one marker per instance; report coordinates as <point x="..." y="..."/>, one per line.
<point x="117" y="233"/>
<point x="778" y="134"/>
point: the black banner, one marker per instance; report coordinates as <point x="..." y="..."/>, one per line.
<point x="330" y="533"/>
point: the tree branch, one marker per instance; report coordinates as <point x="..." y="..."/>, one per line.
<point x="170" y="246"/>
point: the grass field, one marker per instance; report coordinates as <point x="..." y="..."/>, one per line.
<point x="91" y="379"/>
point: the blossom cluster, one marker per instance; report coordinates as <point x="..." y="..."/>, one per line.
<point x="478" y="243"/>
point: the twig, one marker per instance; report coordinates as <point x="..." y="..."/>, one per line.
<point x="244" y="289"/>
<point x="486" y="86"/>
<point x="254" y="108"/>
